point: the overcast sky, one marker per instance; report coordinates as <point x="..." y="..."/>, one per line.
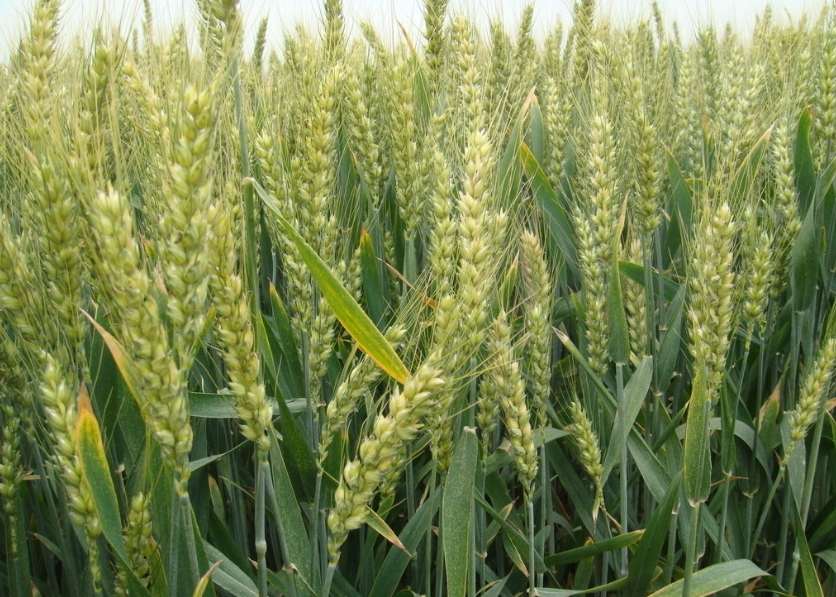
<point x="80" y="15"/>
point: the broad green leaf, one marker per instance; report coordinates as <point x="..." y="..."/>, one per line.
<point x="634" y="395"/>
<point x="288" y="517"/>
<point x="644" y="561"/>
<point x="651" y="469"/>
<point x="346" y="309"/>
<point x="805" y="169"/>
<point x="697" y="466"/>
<point x="456" y="513"/>
<point x="804" y="266"/>
<point x="713" y="579"/>
<point x="680" y="207"/>
<point x="671" y="342"/>
<point x="97" y="472"/>
<point x="829" y="557"/>
<point x="389" y="575"/>
<point x="550" y="208"/>
<point x="593" y="549"/>
<point x="222" y="406"/>
<point x="291" y="379"/>
<point x="121" y="359"/>
<point x="372" y="285"/>
<point x="509" y="173"/>
<point x="615" y="585"/>
<point x="635" y="272"/>
<point x="227" y="575"/>
<point x="224" y="542"/>
<point x="812" y="585"/>
<point x="300" y="460"/>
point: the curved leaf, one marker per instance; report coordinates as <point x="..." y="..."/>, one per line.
<point x="346" y="309"/>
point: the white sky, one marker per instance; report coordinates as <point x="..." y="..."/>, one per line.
<point x="78" y="16"/>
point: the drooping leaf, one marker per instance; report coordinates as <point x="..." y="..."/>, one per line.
<point x="714" y="578"/>
<point x="97" y="472"/>
<point x="456" y="513"/>
<point x="346" y="309"/>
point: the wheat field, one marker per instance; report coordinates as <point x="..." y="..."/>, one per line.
<point x="475" y="314"/>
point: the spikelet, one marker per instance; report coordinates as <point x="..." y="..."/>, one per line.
<point x="161" y="384"/>
<point x="20" y="305"/>
<point x="11" y="471"/>
<point x="635" y="305"/>
<point x="378" y="453"/>
<point x="59" y="394"/>
<point x="364" y="147"/>
<point x="712" y="290"/>
<point x="510" y="389"/>
<point x="523" y="72"/>
<point x="357" y="383"/>
<point x="139" y="544"/>
<point x="39" y="64"/>
<point x="825" y="100"/>
<point x="235" y="333"/>
<point x="499" y="73"/>
<point x="537" y="310"/>
<point x="434" y="53"/>
<point x="404" y="148"/>
<point x="786" y="218"/>
<point x="590" y="451"/>
<point x="184" y="227"/>
<point x="813" y="395"/>
<point x="487" y="412"/>
<point x="60" y="246"/>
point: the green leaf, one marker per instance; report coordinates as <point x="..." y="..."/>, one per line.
<point x="635" y="272"/>
<point x="346" y="309"/>
<point x="713" y="579"/>
<point x="615" y="585"/>
<point x="227" y="575"/>
<point x="550" y="208"/>
<point x="805" y="169"/>
<point x="509" y="172"/>
<point x="812" y="585"/>
<point x="121" y="359"/>
<point x="829" y="557"/>
<point x="456" y="516"/>
<point x="388" y="577"/>
<point x="669" y="346"/>
<point x="97" y="472"/>
<point x="593" y="549"/>
<point x="681" y="208"/>
<point x="220" y="406"/>
<point x="282" y="500"/>
<point x="643" y="563"/>
<point x="372" y="285"/>
<point x="291" y="379"/>
<point x="300" y="461"/>
<point x="516" y="542"/>
<point x="634" y="394"/>
<point x="804" y="266"/>
<point x="697" y="466"/>
<point x="535" y="131"/>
